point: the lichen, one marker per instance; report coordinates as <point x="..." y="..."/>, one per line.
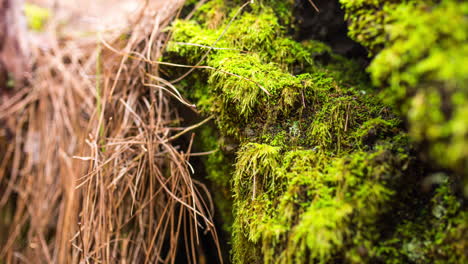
<point x="322" y="161"/>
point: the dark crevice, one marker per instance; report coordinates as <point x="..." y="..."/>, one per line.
<point x="206" y="249"/>
<point x="328" y="26"/>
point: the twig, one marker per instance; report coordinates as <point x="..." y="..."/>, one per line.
<point x="315" y="6"/>
<point x="190" y="128"/>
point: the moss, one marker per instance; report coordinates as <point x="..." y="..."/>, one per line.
<point x="443" y="242"/>
<point x="36" y="16"/>
<point x="322" y="161"/>
<point x="211" y="14"/>
<point x="421" y="48"/>
<point x="245" y="82"/>
<point x="301" y="203"/>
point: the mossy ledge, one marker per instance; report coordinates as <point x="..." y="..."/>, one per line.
<point x="420" y="53"/>
<point x="323" y="171"/>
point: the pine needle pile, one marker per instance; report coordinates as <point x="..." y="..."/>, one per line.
<point x="90" y="171"/>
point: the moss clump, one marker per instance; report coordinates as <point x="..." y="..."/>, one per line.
<point x="421" y="50"/>
<point x="321" y="162"/>
<point x="244" y="83"/>
<point x="298" y="206"/>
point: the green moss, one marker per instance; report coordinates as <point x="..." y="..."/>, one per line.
<point x="36" y="16"/>
<point x="445" y="240"/>
<point x="244" y="83"/>
<point x="302" y="203"/>
<point x="322" y="162"/>
<point x="421" y="49"/>
<point x="211" y="14"/>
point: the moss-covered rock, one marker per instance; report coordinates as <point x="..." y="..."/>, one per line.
<point x="421" y="52"/>
<point x="323" y="169"/>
